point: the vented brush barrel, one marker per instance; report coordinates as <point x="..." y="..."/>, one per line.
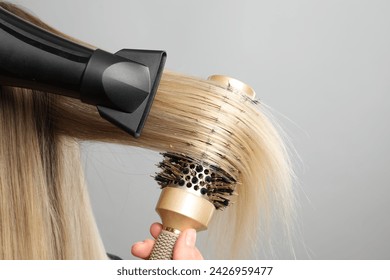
<point x="192" y="189"/>
<point x="179" y="210"/>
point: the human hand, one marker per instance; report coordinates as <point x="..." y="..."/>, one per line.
<point x="184" y="248"/>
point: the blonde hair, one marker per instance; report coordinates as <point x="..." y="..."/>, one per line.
<point x="45" y="212"/>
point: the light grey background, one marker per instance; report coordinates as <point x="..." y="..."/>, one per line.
<point x="323" y="66"/>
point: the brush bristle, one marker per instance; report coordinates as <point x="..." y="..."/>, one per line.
<point x="200" y="178"/>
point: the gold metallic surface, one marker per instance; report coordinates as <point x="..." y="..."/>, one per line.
<point x="233" y="84"/>
<point x="173" y="230"/>
<point x="181" y="210"/>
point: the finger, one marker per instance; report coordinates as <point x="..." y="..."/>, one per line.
<point x="155" y="229"/>
<point x="185" y="247"/>
<point x="142" y="249"/>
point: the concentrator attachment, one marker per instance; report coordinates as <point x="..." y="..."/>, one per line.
<point x="121" y="85"/>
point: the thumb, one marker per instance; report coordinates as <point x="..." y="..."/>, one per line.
<point x="185" y="246"/>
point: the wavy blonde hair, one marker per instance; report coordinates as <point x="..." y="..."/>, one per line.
<point x="45" y="211"/>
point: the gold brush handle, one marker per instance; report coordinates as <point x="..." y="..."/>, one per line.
<point x="179" y="210"/>
<point x="163" y="248"/>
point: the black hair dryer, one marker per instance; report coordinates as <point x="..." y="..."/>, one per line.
<point x="121" y="85"/>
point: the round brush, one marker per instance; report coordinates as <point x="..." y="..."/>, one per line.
<point x="191" y="190"/>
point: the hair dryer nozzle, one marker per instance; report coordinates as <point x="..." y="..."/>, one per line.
<point x="132" y="87"/>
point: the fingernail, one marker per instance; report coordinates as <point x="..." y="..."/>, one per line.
<point x="191" y="238"/>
